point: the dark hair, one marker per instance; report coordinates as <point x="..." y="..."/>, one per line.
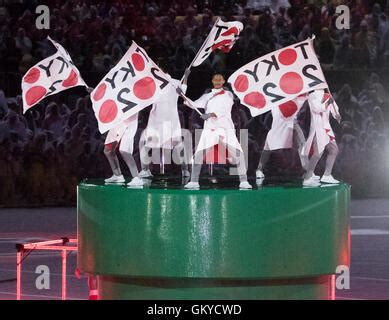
<point x="217" y="74"/>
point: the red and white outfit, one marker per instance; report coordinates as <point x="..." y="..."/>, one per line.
<point x="164" y="128"/>
<point x="321" y="137"/>
<point x="284" y="132"/>
<point x="281" y="133"/>
<point x="124" y="133"/>
<point x="219" y="129"/>
<point x="320" y="121"/>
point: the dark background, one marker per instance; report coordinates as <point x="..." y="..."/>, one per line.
<point x="47" y="151"/>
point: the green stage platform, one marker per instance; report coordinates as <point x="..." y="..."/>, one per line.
<point x="163" y="242"/>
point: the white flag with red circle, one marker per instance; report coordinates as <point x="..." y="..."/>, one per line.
<point x="50" y="76"/>
<point x="133" y="84"/>
<point x="278" y="77"/>
<point x="222" y="37"/>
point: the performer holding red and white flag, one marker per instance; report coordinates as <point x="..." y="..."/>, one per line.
<point x="285" y="132"/>
<point x="164" y="128"/>
<point x="321" y="137"/>
<point x="218" y="129"/>
<point x="121" y="139"/>
<point x="222" y="36"/>
<point x="50" y="76"/>
<point x="278" y="77"/>
<point x="133" y="84"/>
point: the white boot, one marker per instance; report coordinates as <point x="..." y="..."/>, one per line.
<point x="145" y="174"/>
<point x="115" y="180"/>
<point x="136" y="183"/>
<point x="329" y="179"/>
<point x="244" y="185"/>
<point x="192" y="186"/>
<point x="311" y="182"/>
<point x="260" y="174"/>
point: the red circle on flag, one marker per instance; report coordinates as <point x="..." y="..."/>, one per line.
<point x="108" y="111"/>
<point x="288" y="109"/>
<point x="35" y="94"/>
<point x="291" y="83"/>
<point x="32" y="76"/>
<point x="255" y="99"/>
<point x="287" y="57"/>
<point x="71" y="81"/>
<point x="138" y="62"/>
<point x="144" y="88"/>
<point x="100" y="92"/>
<point x="241" y="83"/>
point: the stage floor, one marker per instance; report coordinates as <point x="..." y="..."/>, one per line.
<point x="211" y="183"/>
<point x="369" y="251"/>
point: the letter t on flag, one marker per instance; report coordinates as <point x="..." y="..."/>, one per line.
<point x="222" y="37"/>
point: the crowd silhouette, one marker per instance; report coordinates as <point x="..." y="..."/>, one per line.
<point x="47" y="151"/>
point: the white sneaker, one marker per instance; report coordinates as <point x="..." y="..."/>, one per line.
<point x="329" y="179"/>
<point x="311" y="182"/>
<point x="145" y="174"/>
<point x="136" y="183"/>
<point x="244" y="185"/>
<point x="192" y="186"/>
<point x="115" y="180"/>
<point x="316" y="177"/>
<point x="260" y="174"/>
<point x="185" y="173"/>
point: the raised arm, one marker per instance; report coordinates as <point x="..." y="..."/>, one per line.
<point x="316" y="103"/>
<point x="186" y="76"/>
<point x="202" y="101"/>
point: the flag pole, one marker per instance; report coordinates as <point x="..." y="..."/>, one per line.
<point x="190" y="103"/>
<point x="202" y="47"/>
<point x="183" y="96"/>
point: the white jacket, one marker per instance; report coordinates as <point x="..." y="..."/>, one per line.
<point x="126" y="131"/>
<point x="221" y="128"/>
<point x="320" y="121"/>
<point x="280" y="135"/>
<point x="164" y="128"/>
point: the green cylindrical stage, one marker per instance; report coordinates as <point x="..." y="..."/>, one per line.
<point x="274" y="242"/>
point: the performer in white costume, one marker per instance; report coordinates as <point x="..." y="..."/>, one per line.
<point x="285" y="132"/>
<point x="164" y="129"/>
<point x="321" y="137"/>
<point x="122" y="136"/>
<point x="218" y="128"/>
